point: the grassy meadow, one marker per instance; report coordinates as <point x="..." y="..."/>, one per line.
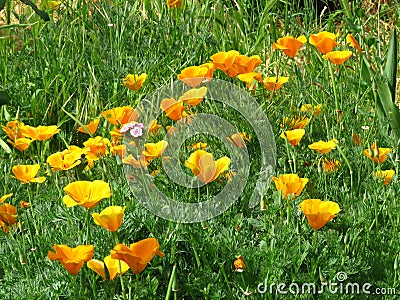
<point x="73" y="69"/>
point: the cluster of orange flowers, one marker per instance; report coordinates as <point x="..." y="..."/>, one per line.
<point x="21" y="136"/>
<point x="324" y="41"/>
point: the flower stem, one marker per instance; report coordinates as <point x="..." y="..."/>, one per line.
<point x="120" y="268"/>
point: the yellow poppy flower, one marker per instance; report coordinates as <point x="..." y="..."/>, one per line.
<point x="377" y="155"/>
<point x="95" y="148"/>
<point x="290" y="184"/>
<point x="324" y="41"/>
<point x="24" y="204"/>
<point x="134" y="81"/>
<point x="65" y="160"/>
<point x="110" y="218"/>
<point x="386" y="175"/>
<point x="138" y="255"/>
<point x="319" y="212"/>
<point x="27" y="173"/>
<point x="120" y="115"/>
<point x="194" y="96"/>
<point x="21" y="144"/>
<point x="40" y="133"/>
<point x="323" y="147"/>
<point x="293" y="136"/>
<point x="86" y="193"/>
<point x="290" y="45"/>
<point x="274" y="83"/>
<point x="113" y="267"/>
<point x="72" y="259"/>
<point x="295" y="122"/>
<point x="338" y="57"/>
<point x="353" y="42"/>
<point x="91" y="127"/>
<point x="203" y="166"/>
<point x="154" y="150"/>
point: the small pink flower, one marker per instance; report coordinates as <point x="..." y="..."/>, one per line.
<point x="135" y="129"/>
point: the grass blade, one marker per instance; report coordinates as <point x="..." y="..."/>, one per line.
<point x="391" y="64"/>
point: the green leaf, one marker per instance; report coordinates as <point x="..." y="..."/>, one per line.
<point x="391" y="111"/>
<point x="4" y="98"/>
<point x="5" y="146"/>
<point x="2" y="4"/>
<point x="39" y="12"/>
<point x="391" y="64"/>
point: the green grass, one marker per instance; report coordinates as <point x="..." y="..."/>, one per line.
<point x="76" y="63"/>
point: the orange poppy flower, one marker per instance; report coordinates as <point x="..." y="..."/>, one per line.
<point x="386" y="175"/>
<point x="324" y="41"/>
<point x="194" y="96"/>
<point x="173" y="109"/>
<point x="112" y="265"/>
<point x="95" y="148"/>
<point x="41" y="133"/>
<point x="174" y="3"/>
<point x="8" y="214"/>
<point x="377" y="155"/>
<point x="120" y="115"/>
<point x="138" y="255"/>
<point x="330" y="165"/>
<point x="91" y="127"/>
<point x="238" y="139"/>
<point x="24" y="204"/>
<point x="72" y="259"/>
<point x="65" y="160"/>
<point x="290" y="184"/>
<point x="243" y="64"/>
<point x="203" y="166"/>
<point x="353" y="42"/>
<point x="130" y="160"/>
<point x="319" y="212"/>
<point x="338" y="57"/>
<point x="323" y="147"/>
<point x="110" y="218"/>
<point x="27" y="173"/>
<point x="14" y="129"/>
<point x="86" y="193"/>
<point x="290" y="45"/>
<point x="154" y="126"/>
<point x="274" y="83"/>
<point x="134" y="81"/>
<point x="251" y="78"/>
<point x="3" y="198"/>
<point x="194" y="75"/>
<point x="224" y="60"/>
<point x="154" y="150"/>
<point x="21" y="144"/>
<point x="239" y="264"/>
<point x="293" y="136"/>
